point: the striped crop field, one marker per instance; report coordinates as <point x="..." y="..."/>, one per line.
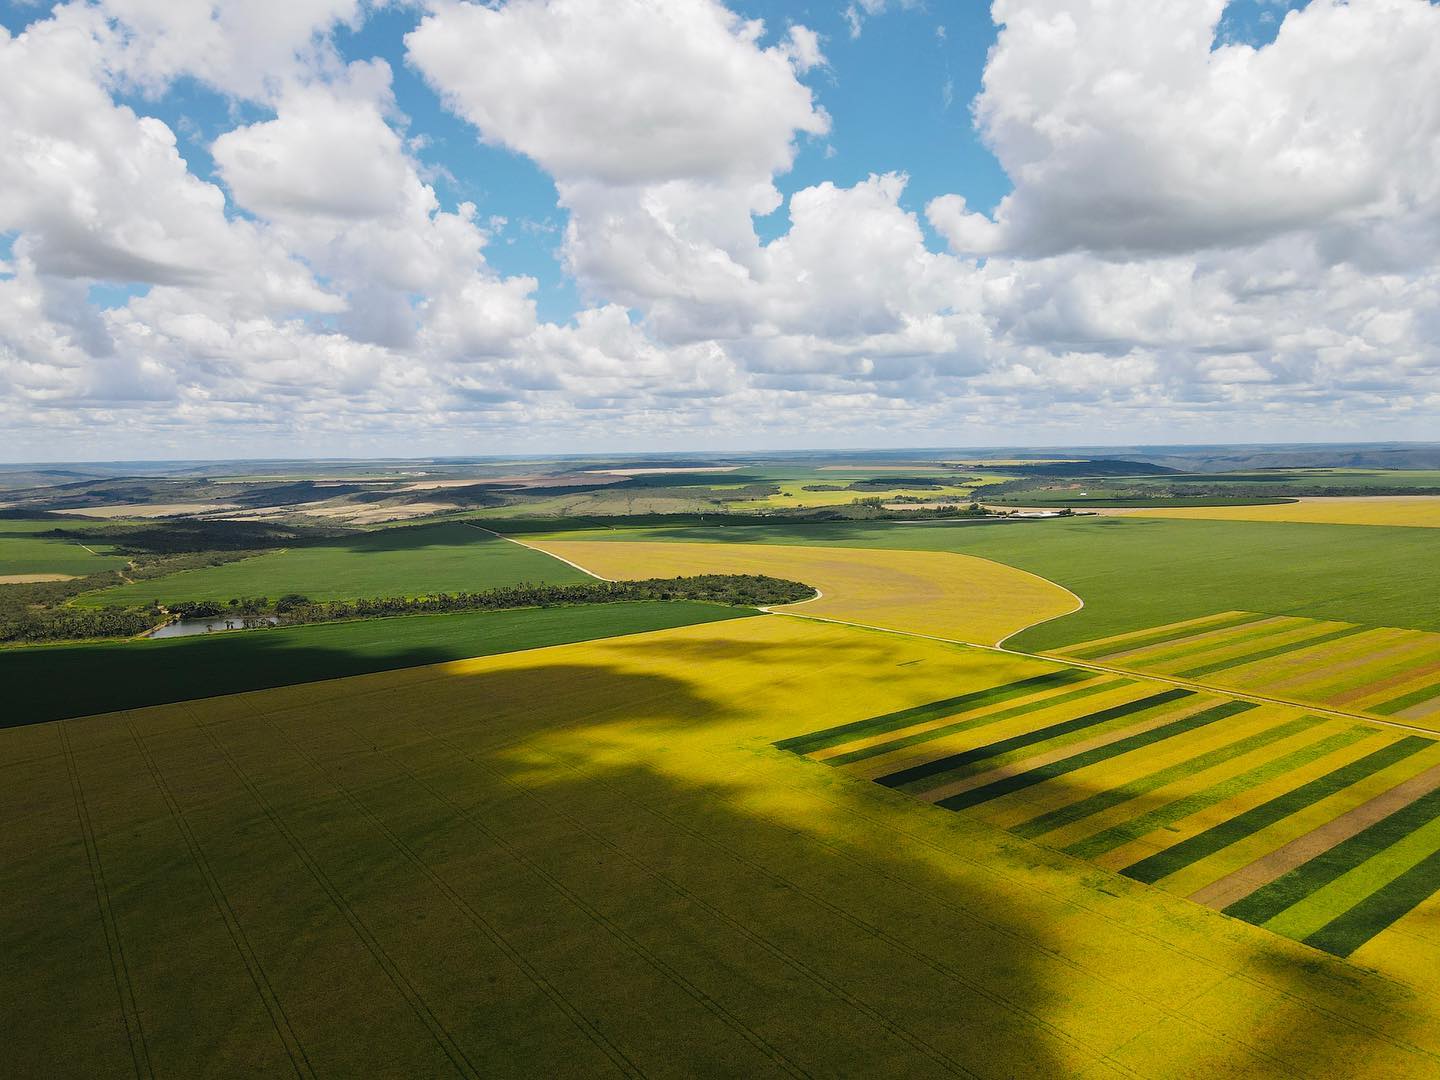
<point x="1322" y="829"/>
<point x="1378" y="671"/>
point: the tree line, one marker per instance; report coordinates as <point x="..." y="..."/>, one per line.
<point x="66" y="624"/>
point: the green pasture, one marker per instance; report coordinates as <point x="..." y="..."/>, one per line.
<point x="22" y="551"/>
<point x="55" y="681"/>
<point x="1136" y="573"/>
<point x="406" y="561"/>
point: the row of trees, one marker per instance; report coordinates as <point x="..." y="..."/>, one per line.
<point x="746" y="590"/>
<point x="68" y="624"/>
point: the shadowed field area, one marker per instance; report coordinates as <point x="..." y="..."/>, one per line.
<point x="589" y="860"/>
<point x="50" y="682"/>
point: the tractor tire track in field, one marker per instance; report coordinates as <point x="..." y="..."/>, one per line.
<point x="677" y="978"/>
<point x="940" y="966"/>
<point x="423" y="1012"/>
<point x="794" y="963"/>
<point x="476" y="919"/>
<point x="119" y="970"/>
<point x="1309" y="1004"/>
<point x="284" y="1031"/>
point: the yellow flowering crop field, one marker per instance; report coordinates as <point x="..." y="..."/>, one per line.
<point x="1417" y="510"/>
<point x="593" y="859"/>
<point x="938" y="593"/>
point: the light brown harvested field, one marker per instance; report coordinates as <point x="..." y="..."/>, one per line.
<point x="353" y="514"/>
<point x="31" y="579"/>
<point x="148" y="510"/>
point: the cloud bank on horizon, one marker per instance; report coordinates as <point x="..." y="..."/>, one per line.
<point x="341" y="226"/>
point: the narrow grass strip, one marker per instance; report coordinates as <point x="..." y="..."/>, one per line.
<point x="866" y="752"/>
<point x="1017" y="742"/>
<point x="1266" y="654"/>
<point x="1163" y="816"/>
<point x="1405" y="701"/>
<point x="876" y="725"/>
<point x="1345" y="933"/>
<point x="1268" y="901"/>
<point x="1104" y="800"/>
<point x="1020" y="781"/>
<point x="1164" y="863"/>
<point x="1174" y="632"/>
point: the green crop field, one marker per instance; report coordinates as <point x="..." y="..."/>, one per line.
<point x="1137" y="573"/>
<point x="405" y="561"/>
<point x="23" y="552"/>
<point x="43" y="685"/>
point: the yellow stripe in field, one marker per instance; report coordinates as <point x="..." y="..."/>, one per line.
<point x="1163" y="650"/>
<point x="1198" y="875"/>
<point x="1163" y="838"/>
<point x="1117" y="772"/>
<point x="1300" y="669"/>
<point x="993" y="733"/>
<point x="938" y="593"/>
<point x="1415" y="510"/>
<point x="1236" y="651"/>
<point x="1409" y="947"/>
<point x="1197" y="781"/>
<point x="1017" y="765"/>
<point x="1338" y="896"/>
<point x="1118" y="640"/>
<point x="961" y="714"/>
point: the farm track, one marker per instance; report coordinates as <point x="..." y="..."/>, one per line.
<point x="422" y="1010"/>
<point x="284" y="1031"/>
<point x="124" y="985"/>
<point x="597" y="917"/>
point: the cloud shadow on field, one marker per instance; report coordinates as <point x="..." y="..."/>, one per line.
<point x="946" y="927"/>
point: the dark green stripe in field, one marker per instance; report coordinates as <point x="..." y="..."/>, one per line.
<point x="1269" y="900"/>
<point x="1104" y="800"/>
<point x="1266" y="654"/>
<point x="1164" y="863"/>
<point x="1019" y="781"/>
<point x="58" y="681"/>
<point x="949" y="762"/>
<point x="876" y="725"/>
<point x="1399" y="704"/>
<point x="1346" y="933"/>
<point x="1163" y="817"/>
<point x="1159" y="637"/>
<point x="976" y="722"/>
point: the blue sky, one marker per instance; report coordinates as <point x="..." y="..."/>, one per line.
<point x="1185" y="219"/>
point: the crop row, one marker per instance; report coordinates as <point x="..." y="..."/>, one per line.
<point x="1321" y="829"/>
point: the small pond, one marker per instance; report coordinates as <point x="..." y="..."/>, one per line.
<point x="216" y="625"/>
